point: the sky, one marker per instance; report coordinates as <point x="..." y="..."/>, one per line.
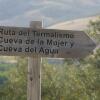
<point x="21" y="12"/>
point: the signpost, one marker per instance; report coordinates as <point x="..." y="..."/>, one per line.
<point x="36" y="43"/>
<point x="44" y="42"/>
<point x="34" y="71"/>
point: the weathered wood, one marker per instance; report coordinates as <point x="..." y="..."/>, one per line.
<point x="34" y="77"/>
<point x="44" y="42"/>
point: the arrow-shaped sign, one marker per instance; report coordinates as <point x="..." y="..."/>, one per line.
<point x="44" y="42"/>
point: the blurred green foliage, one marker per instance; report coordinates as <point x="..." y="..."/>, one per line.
<point x="15" y="88"/>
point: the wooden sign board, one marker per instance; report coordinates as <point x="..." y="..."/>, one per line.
<point x="44" y="42"/>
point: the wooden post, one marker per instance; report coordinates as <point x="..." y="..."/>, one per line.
<point x="34" y="78"/>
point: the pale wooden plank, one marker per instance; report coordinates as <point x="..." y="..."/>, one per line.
<point x="34" y="80"/>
